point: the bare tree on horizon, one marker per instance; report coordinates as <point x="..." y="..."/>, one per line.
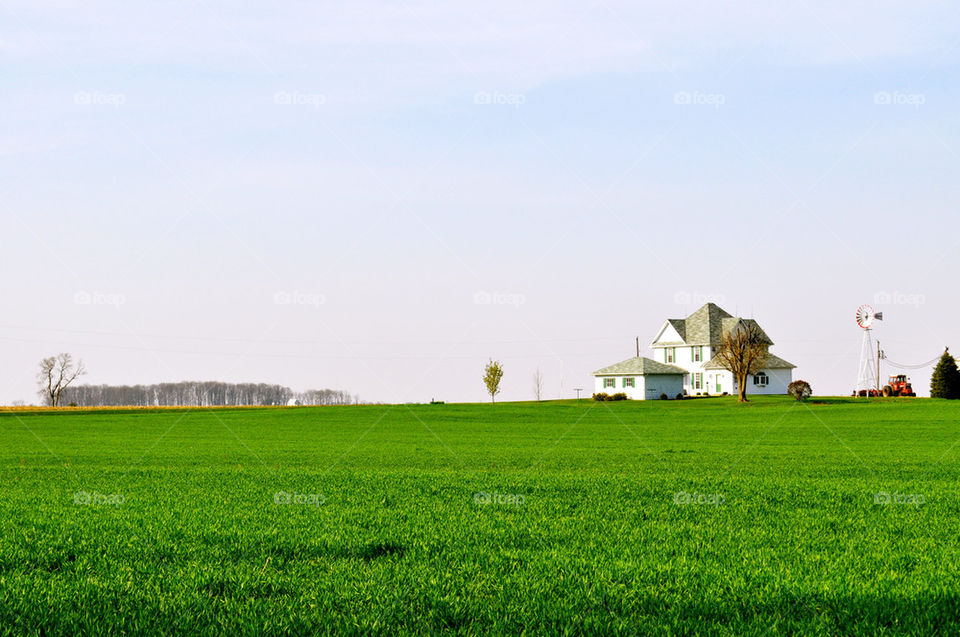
<point x="56" y="374"/>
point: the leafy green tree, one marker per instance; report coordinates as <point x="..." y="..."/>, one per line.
<point x="492" y="374"/>
<point x="945" y="382"/>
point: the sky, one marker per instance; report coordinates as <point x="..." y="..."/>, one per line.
<point x="380" y="197"/>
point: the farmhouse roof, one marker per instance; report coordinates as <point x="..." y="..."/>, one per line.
<point x="680" y="325"/>
<point x="640" y="366"/>
<point x="704" y="327"/>
<point x="708" y="326"/>
<point x="770" y="362"/>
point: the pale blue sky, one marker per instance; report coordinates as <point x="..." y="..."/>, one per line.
<point x="314" y="195"/>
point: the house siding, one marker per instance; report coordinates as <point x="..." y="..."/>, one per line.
<point x="779" y="378"/>
<point x="646" y="387"/>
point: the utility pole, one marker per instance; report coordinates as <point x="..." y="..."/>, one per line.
<point x="879" y="356"/>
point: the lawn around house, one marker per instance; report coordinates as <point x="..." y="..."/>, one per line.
<point x="837" y="515"/>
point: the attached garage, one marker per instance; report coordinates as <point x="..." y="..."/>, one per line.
<point x="640" y="379"/>
<point x="658" y="384"/>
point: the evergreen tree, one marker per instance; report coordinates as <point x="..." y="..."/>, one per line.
<point x="945" y="382"/>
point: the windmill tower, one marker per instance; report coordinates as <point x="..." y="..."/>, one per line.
<point x="868" y="379"/>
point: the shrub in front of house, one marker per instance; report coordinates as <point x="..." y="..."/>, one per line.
<point x="799" y="389"/>
<point x="664" y="397"/>
<point x="609" y="397"/>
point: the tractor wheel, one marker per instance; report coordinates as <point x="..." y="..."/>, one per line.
<point x="888" y="391"/>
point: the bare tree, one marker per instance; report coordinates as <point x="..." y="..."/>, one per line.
<point x="538" y="384"/>
<point x="56" y="374"/>
<point x="743" y="351"/>
<point x="492" y="374"/>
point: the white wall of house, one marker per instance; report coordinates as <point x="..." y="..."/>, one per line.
<point x="685" y="357"/>
<point x="634" y="393"/>
<point x="777" y="382"/>
<point x="647" y="387"/>
<point x="718" y="381"/>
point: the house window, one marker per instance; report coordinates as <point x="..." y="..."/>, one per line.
<point x="698" y="381"/>
<point x="628" y="382"/>
<point x="671" y="355"/>
<point x="609" y="382"/>
<point x="761" y="379"/>
<point x="697" y="354"/>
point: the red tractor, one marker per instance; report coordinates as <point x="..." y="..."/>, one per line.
<point x="898" y="385"/>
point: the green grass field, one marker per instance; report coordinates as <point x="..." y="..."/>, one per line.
<point x="694" y="517"/>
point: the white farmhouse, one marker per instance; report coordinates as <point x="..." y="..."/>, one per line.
<point x="684" y="362"/>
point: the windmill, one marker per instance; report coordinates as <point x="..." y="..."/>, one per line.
<point x="868" y="380"/>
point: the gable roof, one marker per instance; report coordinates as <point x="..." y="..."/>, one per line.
<point x="728" y="324"/>
<point x="771" y="362"/>
<point x="707" y="326"/>
<point x="640" y="366"/>
<point x="680" y="325"/>
<point x="672" y="333"/>
<point x="704" y="327"/>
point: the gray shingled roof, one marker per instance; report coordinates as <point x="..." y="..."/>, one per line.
<point x="639" y="366"/>
<point x="771" y="362"/>
<point x="728" y="324"/>
<point x="707" y="326"/>
<point x="704" y="327"/>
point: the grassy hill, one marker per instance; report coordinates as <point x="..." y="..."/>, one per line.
<point x="836" y="516"/>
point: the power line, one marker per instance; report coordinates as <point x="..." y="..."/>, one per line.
<point x="304" y="341"/>
<point x="919" y="366"/>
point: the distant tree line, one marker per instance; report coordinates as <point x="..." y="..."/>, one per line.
<point x="326" y="397"/>
<point x="199" y="394"/>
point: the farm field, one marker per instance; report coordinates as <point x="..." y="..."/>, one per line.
<point x="831" y="517"/>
